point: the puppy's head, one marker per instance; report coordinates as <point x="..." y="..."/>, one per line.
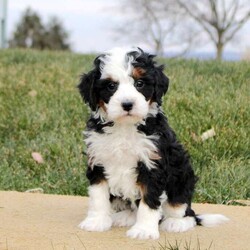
<point x="124" y="85"/>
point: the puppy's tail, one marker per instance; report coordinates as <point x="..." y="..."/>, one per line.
<point x="210" y="220"/>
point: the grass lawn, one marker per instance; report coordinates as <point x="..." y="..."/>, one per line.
<point x="41" y="111"/>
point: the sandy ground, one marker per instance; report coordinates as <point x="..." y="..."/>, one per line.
<point x="40" y="221"/>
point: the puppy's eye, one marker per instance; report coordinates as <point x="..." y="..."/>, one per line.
<point x="139" y="84"/>
<point x="111" y="86"/>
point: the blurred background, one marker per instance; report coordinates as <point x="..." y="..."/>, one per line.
<point x="202" y="29"/>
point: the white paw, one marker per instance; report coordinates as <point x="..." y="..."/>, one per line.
<point x="143" y="233"/>
<point x="124" y="218"/>
<point x="96" y="223"/>
<point x="178" y="225"/>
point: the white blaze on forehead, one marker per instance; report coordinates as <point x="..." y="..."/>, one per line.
<point x="117" y="64"/>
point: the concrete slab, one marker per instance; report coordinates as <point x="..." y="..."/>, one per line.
<point x="41" y="221"/>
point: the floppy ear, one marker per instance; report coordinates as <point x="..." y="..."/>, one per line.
<point x="87" y="85"/>
<point x="86" y="88"/>
<point x="145" y="61"/>
<point x="161" y="84"/>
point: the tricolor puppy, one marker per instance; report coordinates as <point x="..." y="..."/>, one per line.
<point x="139" y="174"/>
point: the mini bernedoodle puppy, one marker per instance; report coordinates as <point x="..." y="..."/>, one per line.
<point x="139" y="174"/>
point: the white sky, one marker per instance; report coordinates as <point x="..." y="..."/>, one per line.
<point x="90" y="23"/>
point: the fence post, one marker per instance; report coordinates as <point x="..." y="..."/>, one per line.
<point x="3" y="20"/>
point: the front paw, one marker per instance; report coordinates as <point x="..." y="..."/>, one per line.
<point x="143" y="233"/>
<point x="96" y="223"/>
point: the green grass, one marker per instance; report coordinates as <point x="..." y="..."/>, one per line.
<point x="201" y="95"/>
<point x="185" y="245"/>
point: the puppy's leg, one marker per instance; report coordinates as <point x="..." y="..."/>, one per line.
<point x="178" y="215"/>
<point x="98" y="217"/>
<point x="146" y="225"/>
<point x="149" y="210"/>
<point x="177" y="218"/>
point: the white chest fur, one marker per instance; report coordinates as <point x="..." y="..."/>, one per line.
<point x="119" y="150"/>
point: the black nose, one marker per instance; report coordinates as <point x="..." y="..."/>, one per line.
<point x="127" y="106"/>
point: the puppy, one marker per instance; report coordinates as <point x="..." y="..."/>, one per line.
<point x="140" y="175"/>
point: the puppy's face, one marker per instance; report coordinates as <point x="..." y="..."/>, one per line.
<point x="123" y="85"/>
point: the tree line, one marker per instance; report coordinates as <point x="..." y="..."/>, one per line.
<point x="31" y="32"/>
<point x="166" y="23"/>
<point x="162" y="24"/>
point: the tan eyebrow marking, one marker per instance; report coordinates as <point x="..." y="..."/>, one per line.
<point x="138" y="72"/>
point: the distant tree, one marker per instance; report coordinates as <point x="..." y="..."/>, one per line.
<point x="31" y="33"/>
<point x="219" y="19"/>
<point x="55" y="36"/>
<point x="155" y="22"/>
